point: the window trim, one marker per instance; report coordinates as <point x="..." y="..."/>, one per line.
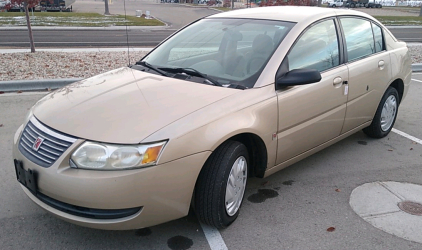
<point x="373" y="37"/>
<point x="382" y="37"/>
<point x="284" y="65"/>
<point x="342" y="39"/>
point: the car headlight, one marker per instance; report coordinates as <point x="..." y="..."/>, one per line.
<point x="102" y="156"/>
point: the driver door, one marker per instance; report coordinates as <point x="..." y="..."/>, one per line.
<point x="310" y="115"/>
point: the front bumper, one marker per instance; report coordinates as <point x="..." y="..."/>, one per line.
<point x="162" y="192"/>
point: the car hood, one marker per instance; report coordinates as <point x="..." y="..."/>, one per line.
<point x="123" y="105"/>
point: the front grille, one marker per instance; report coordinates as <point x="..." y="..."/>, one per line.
<point x="92" y="213"/>
<point x="54" y="143"/>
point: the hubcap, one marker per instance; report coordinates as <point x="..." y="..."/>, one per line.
<point x="236" y="185"/>
<point x="388" y="113"/>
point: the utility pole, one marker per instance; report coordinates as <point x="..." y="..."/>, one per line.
<point x="106" y="12"/>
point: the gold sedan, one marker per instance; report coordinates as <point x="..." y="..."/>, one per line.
<point x="234" y="95"/>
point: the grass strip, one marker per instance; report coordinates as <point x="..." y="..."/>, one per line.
<point x="400" y="20"/>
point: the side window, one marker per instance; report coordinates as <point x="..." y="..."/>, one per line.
<point x="379" y="43"/>
<point x="359" y="38"/>
<point x="316" y="49"/>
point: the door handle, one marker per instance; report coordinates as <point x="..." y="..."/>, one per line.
<point x="381" y="64"/>
<point x="337" y="82"/>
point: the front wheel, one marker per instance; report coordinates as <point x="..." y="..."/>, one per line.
<point x="385" y="115"/>
<point x="221" y="185"/>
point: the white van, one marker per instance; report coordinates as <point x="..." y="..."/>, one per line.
<point x="335" y="3"/>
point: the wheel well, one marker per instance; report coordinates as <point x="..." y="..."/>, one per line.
<point x="257" y="153"/>
<point x="399" y="86"/>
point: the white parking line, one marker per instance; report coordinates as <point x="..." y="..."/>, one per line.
<point x="416" y="80"/>
<point x="407" y="136"/>
<point x="214" y="238"/>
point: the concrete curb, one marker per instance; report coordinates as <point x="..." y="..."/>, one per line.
<point x="73" y="50"/>
<point x="44" y="84"/>
<point x="164" y="27"/>
<point x="403" y="27"/>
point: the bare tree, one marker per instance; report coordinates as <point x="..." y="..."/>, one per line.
<point x="27" y="4"/>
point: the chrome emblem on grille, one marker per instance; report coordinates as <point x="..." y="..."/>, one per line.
<point x="37" y="143"/>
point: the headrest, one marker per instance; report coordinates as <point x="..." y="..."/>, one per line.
<point x="262" y="43"/>
<point x="233" y="35"/>
<point x="277" y="36"/>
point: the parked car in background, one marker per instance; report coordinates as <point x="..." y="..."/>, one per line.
<point x="373" y="4"/>
<point x="235" y="95"/>
<point x="335" y="3"/>
<point x="356" y="3"/>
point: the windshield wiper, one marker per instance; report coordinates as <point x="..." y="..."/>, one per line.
<point x="194" y="72"/>
<point x="145" y="64"/>
<point x="235" y="86"/>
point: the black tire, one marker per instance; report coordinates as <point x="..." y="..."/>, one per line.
<point x="352" y="5"/>
<point x="333" y="6"/>
<point x="210" y="190"/>
<point x="375" y="130"/>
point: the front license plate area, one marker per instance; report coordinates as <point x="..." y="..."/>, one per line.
<point x="28" y="178"/>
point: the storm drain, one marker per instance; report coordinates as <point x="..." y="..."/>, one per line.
<point x="393" y="207"/>
<point x="411" y="207"/>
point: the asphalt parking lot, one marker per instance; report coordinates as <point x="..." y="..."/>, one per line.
<point x="305" y="206"/>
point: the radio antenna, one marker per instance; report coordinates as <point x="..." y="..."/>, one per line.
<point x="127" y="35"/>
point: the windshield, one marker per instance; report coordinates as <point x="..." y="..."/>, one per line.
<point x="229" y="51"/>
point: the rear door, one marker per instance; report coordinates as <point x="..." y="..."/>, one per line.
<point x="369" y="69"/>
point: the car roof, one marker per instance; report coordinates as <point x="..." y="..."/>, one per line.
<point x="288" y="13"/>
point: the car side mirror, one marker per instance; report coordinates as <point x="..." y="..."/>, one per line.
<point x="298" y="77"/>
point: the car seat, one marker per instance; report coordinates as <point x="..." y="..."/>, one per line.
<point x="262" y="46"/>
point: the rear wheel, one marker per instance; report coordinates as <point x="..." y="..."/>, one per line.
<point x="385" y="115"/>
<point x="221" y="185"/>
